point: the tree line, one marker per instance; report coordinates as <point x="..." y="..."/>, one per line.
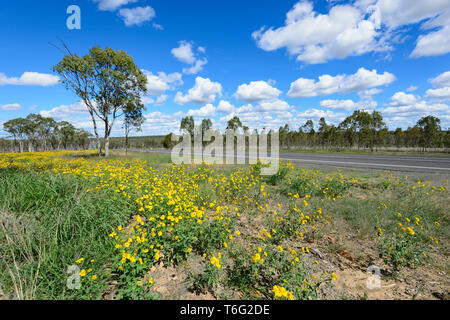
<point x="364" y="130"/>
<point x="361" y="130"/>
<point x="38" y="133"/>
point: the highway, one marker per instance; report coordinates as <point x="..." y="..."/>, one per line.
<point x="393" y="163"/>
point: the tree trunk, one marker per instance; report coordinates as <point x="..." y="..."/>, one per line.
<point x="107" y="146"/>
<point x="99" y="147"/>
<point x="126" y="144"/>
<point x="106" y="139"/>
<point x="108" y="127"/>
<point x="21" y="146"/>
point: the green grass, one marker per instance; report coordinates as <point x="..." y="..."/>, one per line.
<point x="137" y="142"/>
<point x="48" y="221"/>
<point x="151" y="157"/>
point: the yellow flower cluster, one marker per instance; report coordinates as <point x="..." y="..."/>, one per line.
<point x="173" y="214"/>
<point x="281" y="292"/>
<point x="216" y="261"/>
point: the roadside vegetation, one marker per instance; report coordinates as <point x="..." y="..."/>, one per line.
<point x="138" y="227"/>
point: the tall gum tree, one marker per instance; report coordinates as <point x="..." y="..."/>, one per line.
<point x="107" y="81"/>
<point x="133" y="119"/>
<point x="16" y="127"/>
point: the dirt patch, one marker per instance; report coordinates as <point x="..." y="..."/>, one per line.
<point x="171" y="284"/>
<point x="363" y="275"/>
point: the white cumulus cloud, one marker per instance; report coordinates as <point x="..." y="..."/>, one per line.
<point x="316" y="114"/>
<point x="160" y="82"/>
<point x="358" y="27"/>
<point x="10" y="107"/>
<point x="137" y="15"/>
<point x="274" y="106"/>
<point x="442" y="80"/>
<point x="111" y="5"/>
<point x="256" y="91"/>
<point x="316" y="38"/>
<point x="161" y="100"/>
<point x="326" y="84"/>
<point x="204" y="91"/>
<point x="207" y="111"/>
<point x="197" y="67"/>
<point x="397" y="13"/>
<point x="433" y="44"/>
<point x="420" y="108"/>
<point x="225" y="107"/>
<point x="65" y="112"/>
<point x="348" y="105"/>
<point x="403" y="107"/>
<point x="402" y="99"/>
<point x="30" y="79"/>
<point x="442" y="83"/>
<point x="185" y="53"/>
<point x="442" y="94"/>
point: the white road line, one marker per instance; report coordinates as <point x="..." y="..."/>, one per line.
<point x="375" y="157"/>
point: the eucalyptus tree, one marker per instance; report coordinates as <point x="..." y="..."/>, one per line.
<point x="107" y="81"/>
<point x="41" y="128"/>
<point x="430" y="128"/>
<point x="412" y="136"/>
<point x="16" y="127"/>
<point x="234" y="123"/>
<point x="81" y="138"/>
<point x="206" y="125"/>
<point x="308" y="128"/>
<point x="30" y="132"/>
<point x="365" y="126"/>
<point x="187" y="125"/>
<point x="399" y="137"/>
<point x="283" y="132"/>
<point x="323" y="131"/>
<point x="65" y="134"/>
<point x="133" y="119"/>
<point x="447" y="138"/>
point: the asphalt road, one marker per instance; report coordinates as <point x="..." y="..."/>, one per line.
<point x="393" y="163"/>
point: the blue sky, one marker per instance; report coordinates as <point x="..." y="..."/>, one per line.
<point x="268" y="62"/>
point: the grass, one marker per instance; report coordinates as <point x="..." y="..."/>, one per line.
<point x="248" y="235"/>
<point x="153" y="158"/>
<point x="49" y="221"/>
